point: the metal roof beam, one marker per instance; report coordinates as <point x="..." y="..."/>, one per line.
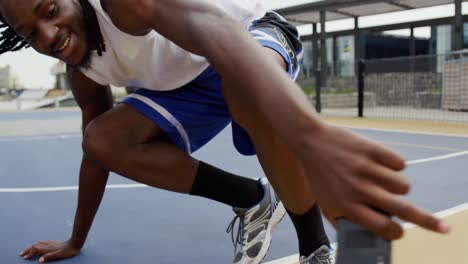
<point x="401" y="5"/>
<point x="300" y="21"/>
<point x="343" y="13"/>
<point x="325" y="5"/>
<point x="405" y="25"/>
<point x="338" y="7"/>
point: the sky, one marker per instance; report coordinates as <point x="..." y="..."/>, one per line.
<point x="33" y="70"/>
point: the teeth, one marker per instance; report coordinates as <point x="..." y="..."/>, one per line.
<point x="65" y="43"/>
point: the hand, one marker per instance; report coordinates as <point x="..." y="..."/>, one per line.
<point x="358" y="179"/>
<point x="51" y="250"/>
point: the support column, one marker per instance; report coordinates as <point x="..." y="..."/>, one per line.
<point x="357" y="45"/>
<point x="412" y="50"/>
<point x="315" y="50"/>
<point x="315" y="68"/>
<point x="412" y="45"/>
<point x="335" y="56"/>
<point x="458" y="26"/>
<point x="323" y="49"/>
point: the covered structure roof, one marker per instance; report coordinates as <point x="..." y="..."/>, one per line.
<point x="341" y="9"/>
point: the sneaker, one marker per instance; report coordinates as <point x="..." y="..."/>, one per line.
<point x="256" y="226"/>
<point x="323" y="255"/>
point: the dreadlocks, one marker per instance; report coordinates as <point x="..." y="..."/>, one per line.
<point x="10" y="41"/>
<point x="92" y="26"/>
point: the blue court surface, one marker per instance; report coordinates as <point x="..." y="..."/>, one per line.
<point x="138" y="224"/>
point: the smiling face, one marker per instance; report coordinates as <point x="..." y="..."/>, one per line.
<point x="54" y="28"/>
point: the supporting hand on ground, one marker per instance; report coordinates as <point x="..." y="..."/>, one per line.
<point x="50" y="250"/>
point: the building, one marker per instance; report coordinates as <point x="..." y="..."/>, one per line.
<point x="60" y="72"/>
<point x="374" y="46"/>
<point x="9" y="83"/>
<point x="5" y="77"/>
<point x="337" y="53"/>
<point x="401" y="76"/>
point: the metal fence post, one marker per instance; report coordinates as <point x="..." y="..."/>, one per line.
<point x="361" y="70"/>
<point x="318" y="91"/>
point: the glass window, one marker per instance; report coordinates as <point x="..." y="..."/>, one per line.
<point x="444" y="39"/>
<point x="329" y="43"/>
<point x="443" y="44"/>
<point x="465" y="35"/>
<point x="307" y="63"/>
<point x="345" y="55"/>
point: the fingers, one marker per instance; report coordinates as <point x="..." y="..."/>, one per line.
<point x="49" y="257"/>
<point x="404" y="210"/>
<point x="25" y="252"/>
<point x="386" y="178"/>
<point x="37" y="249"/>
<point x="375" y="222"/>
<point x="30" y="252"/>
<point x="386" y="157"/>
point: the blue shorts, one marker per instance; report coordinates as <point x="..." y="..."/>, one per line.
<point x="195" y="113"/>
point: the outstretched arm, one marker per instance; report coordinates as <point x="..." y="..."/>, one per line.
<point x="93" y="100"/>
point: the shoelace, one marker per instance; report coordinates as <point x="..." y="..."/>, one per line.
<point x="322" y="258"/>
<point x="240" y="234"/>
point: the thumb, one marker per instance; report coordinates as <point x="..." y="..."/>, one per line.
<point x="49" y="257"/>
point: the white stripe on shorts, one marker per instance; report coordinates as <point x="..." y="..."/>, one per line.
<point x="265" y="36"/>
<point x="169" y="117"/>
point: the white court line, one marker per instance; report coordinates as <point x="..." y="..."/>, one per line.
<point x="33" y="138"/>
<point x="67" y="188"/>
<point x="132" y="186"/>
<point x="64" y="136"/>
<point x="443" y="157"/>
<point x="405" y="131"/>
<point x="409" y="145"/>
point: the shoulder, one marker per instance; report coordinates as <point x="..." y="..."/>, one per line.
<point x="88" y="93"/>
<point x="78" y="80"/>
<point x="131" y="16"/>
<point x="75" y="75"/>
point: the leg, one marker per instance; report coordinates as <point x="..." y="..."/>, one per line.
<point x="284" y="170"/>
<point x="141" y="155"/>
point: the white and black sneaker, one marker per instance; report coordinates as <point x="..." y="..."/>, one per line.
<point x="323" y="255"/>
<point x="256" y="226"/>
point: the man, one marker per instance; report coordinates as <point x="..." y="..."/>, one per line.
<point x="200" y="67"/>
<point x="169" y="167"/>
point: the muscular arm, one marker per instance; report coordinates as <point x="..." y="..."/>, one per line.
<point x="93" y="100"/>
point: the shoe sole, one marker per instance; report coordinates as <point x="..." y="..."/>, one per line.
<point x="277" y="216"/>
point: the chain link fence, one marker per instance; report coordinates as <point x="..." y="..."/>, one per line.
<point x="430" y="88"/>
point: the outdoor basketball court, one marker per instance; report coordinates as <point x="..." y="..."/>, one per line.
<point x="138" y="224"/>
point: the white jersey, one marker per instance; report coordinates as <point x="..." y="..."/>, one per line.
<point x="152" y="61"/>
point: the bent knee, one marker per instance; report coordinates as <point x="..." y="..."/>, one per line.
<point x="98" y="142"/>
